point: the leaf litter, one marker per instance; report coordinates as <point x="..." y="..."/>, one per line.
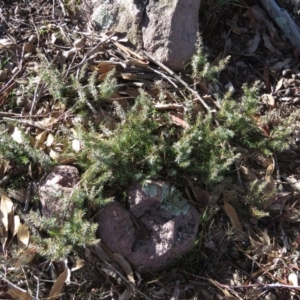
<point x="43" y="120"/>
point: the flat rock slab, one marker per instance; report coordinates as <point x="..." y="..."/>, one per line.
<point x="167" y="29"/>
<point x="57" y="185"/>
<point x="158" y="228"/>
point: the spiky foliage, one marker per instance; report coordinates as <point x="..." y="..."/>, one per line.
<point x="201" y="66"/>
<point x="131" y="151"/>
<point x="140" y="148"/>
<point x="23" y="152"/>
<point x="146" y="145"/>
<point x="251" y="130"/>
<point x="202" y="151"/>
<point x="258" y="196"/>
<point x="66" y="229"/>
<point x="54" y="79"/>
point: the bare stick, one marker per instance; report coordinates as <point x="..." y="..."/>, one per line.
<point x="2" y="276"/>
<point x="128" y="282"/>
<point x="20" y="67"/>
<point x="179" y="80"/>
<point x="27" y="122"/>
<point x="37" y="94"/>
<point x="85" y="58"/>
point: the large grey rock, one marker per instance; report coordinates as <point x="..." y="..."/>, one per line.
<point x="157" y="229"/>
<point x="55" y="190"/>
<point x="167" y="29"/>
<point x="170" y="30"/>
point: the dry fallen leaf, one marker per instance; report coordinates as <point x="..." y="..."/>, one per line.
<point x="7" y="44"/>
<point x="247" y="174"/>
<point x="23" y="235"/>
<point x="4" y="166"/>
<point x="6" y="216"/>
<point x="268" y="99"/>
<point x="279" y="85"/>
<point x="231" y="213"/>
<point x="292" y="216"/>
<point x="19" y="294"/>
<point x="79" y="263"/>
<point x="76" y="145"/>
<point x="180" y="122"/>
<point x="260" y="16"/>
<point x="278" y="66"/>
<point x="59" y="283"/>
<point x="50" y="140"/>
<point x="269" y="45"/>
<point x="17" y="136"/>
<point x="104" y="67"/>
<point x="15" y="225"/>
<point x="237" y="227"/>
<point x="126" y="295"/>
<point x="293" y="182"/>
<point x="123" y="263"/>
<point x="25" y="256"/>
<point x="40" y="140"/>
<point x="293" y="279"/>
<point x="254" y="45"/>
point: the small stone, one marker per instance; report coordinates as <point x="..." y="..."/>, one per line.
<point x="159" y="227"/>
<point x="296" y="100"/>
<point x="235" y="254"/>
<point x="28" y="104"/>
<point x="167" y="30"/>
<point x="270" y="296"/>
<point x="292" y="81"/>
<point x="21" y="101"/>
<point x="287" y="73"/>
<point x="29" y="47"/>
<point x="32" y="39"/>
<point x="15" y="70"/>
<point x="288" y="92"/>
<point x="55" y="190"/>
<point x="9" y="66"/>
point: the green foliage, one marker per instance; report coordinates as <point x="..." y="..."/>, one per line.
<point x="258" y="195"/>
<point x="132" y="150"/>
<point x="54" y="80"/>
<point x="201" y="67"/>
<point x="108" y="86"/>
<point x="89" y="96"/>
<point x="202" y="151"/>
<point x="146" y="145"/>
<point x="140" y="148"/>
<point x="247" y="126"/>
<point x="65" y="230"/>
<point x="23" y="153"/>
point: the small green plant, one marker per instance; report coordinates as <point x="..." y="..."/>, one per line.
<point x="64" y="230"/>
<point x="130" y="152"/>
<point x="23" y="152"/>
<point x="145" y="144"/>
<point x="202" y="68"/>
<point x="257" y="197"/>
